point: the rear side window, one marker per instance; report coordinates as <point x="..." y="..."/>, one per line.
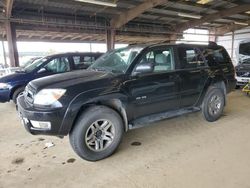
<point x="83" y="62"/>
<point x="218" y="55"/>
<point x="191" y="57"/>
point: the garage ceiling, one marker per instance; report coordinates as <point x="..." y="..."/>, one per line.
<point x="133" y="20"/>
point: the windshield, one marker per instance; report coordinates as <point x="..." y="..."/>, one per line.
<point x="117" y="61"/>
<point x="30" y="61"/>
<point x="35" y="64"/>
<point x="244" y="53"/>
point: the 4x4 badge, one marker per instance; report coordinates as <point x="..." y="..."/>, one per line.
<point x="139" y="98"/>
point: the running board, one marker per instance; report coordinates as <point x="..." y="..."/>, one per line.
<point x="146" y="120"/>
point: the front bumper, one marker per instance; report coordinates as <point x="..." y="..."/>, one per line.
<point x="28" y="113"/>
<point x="4" y="95"/>
<point x="241" y="81"/>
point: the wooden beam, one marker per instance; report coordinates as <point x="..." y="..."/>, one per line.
<point x="130" y="14"/>
<point x="9" y="5"/>
<point x="229" y="28"/>
<point x="211" y="17"/>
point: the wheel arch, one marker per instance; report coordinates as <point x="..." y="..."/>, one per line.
<point x="218" y="83"/>
<point x="75" y="110"/>
<point x="14" y="89"/>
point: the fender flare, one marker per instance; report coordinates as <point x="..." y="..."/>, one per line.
<point x="80" y="103"/>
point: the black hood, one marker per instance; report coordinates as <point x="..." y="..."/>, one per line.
<point x="66" y="80"/>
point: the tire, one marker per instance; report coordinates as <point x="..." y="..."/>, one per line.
<point x="84" y="129"/>
<point x="237" y="87"/>
<point x="213" y="104"/>
<point x="16" y="93"/>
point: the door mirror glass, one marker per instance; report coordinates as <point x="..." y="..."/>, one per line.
<point x="42" y="70"/>
<point x="143" y="68"/>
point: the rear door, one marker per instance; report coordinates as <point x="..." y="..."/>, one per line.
<point x="156" y="91"/>
<point x="193" y="73"/>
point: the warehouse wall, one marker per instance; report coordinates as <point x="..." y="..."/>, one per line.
<point x="239" y="36"/>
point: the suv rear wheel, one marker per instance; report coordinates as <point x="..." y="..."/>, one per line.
<point x="97" y="133"/>
<point x="213" y="104"/>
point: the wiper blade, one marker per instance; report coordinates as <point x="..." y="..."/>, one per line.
<point x="20" y="71"/>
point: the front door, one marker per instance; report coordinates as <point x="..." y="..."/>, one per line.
<point x="55" y="66"/>
<point x="155" y="91"/>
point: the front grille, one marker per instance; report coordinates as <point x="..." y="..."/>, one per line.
<point x="243" y="74"/>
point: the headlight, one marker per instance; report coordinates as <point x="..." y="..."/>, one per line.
<point x="47" y="97"/>
<point x="4" y="86"/>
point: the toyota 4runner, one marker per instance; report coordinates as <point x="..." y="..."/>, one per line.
<point x="126" y="89"/>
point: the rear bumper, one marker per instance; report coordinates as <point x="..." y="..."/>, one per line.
<point x="29" y="113"/>
<point x="5" y="95"/>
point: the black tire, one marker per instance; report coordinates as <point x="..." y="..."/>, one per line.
<point x="16" y="93"/>
<point x="209" y="112"/>
<point x="237" y="87"/>
<point x="79" y="132"/>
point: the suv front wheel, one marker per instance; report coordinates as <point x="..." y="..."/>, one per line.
<point x="97" y="133"/>
<point x="213" y="104"/>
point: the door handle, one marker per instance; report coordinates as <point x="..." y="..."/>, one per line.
<point x="195" y="71"/>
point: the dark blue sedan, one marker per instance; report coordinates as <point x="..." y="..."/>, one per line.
<point x="12" y="85"/>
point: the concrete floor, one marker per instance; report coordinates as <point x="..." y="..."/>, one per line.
<point x="183" y="152"/>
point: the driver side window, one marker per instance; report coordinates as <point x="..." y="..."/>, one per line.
<point x="161" y="60"/>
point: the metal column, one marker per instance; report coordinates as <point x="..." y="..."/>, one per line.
<point x="4" y="55"/>
<point x="11" y="39"/>
<point x="110" y="39"/>
<point x="232" y="50"/>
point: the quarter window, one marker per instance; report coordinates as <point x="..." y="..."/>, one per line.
<point x="83" y="62"/>
<point x="191" y="58"/>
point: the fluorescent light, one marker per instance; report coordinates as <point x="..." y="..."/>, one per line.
<point x="203" y="2"/>
<point x="240" y="23"/>
<point x="248" y="12"/>
<point x="98" y="3"/>
<point x="189" y="15"/>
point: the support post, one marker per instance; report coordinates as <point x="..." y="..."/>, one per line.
<point x="4" y="55"/>
<point x="232" y="50"/>
<point x="110" y="39"/>
<point x="11" y="39"/>
<point x="173" y="39"/>
<point x="212" y="36"/>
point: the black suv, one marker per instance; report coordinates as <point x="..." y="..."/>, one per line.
<point x="126" y="89"/>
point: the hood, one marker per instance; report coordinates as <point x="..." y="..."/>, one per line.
<point x="14" y="77"/>
<point x="68" y="79"/>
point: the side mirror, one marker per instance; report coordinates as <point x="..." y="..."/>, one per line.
<point x="42" y="70"/>
<point x="143" y="68"/>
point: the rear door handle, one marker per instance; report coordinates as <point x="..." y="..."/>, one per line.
<point x="195" y="71"/>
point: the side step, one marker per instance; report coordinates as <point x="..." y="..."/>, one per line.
<point x="146" y="120"/>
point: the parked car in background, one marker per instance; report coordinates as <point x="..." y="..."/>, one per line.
<point x="30" y="61"/>
<point x="126" y="89"/>
<point x="8" y="70"/>
<point x="12" y="85"/>
<point x="243" y="67"/>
